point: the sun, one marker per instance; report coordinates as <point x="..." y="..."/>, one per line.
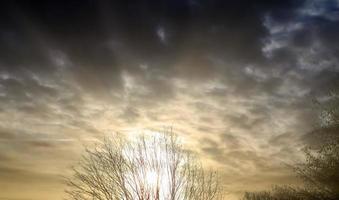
<point x="152" y="178"/>
<point x="150" y="158"/>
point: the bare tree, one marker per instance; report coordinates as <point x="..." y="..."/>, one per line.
<point x="148" y="168"/>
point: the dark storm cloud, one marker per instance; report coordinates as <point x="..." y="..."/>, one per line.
<point x="306" y="44"/>
<point x="83" y="30"/>
<point x="95" y="42"/>
<point x="312" y="28"/>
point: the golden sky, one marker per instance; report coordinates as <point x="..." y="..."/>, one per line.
<point x="235" y="80"/>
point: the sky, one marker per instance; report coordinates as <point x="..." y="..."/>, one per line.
<point x="236" y="79"/>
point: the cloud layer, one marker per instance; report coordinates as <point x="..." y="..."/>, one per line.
<point x="235" y="79"/>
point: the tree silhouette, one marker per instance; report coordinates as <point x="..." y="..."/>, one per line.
<point x="320" y="175"/>
<point x="148" y="168"/>
<point x="320" y="170"/>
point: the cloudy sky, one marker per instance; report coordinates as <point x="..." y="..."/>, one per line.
<point x="235" y="79"/>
